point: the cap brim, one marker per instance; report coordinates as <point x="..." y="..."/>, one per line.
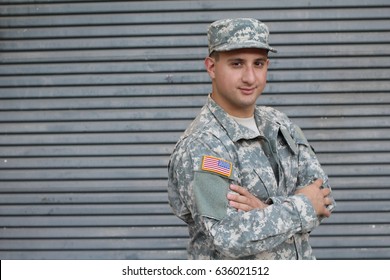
<point x="243" y="45"/>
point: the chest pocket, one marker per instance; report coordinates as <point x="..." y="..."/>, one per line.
<point x="252" y="179"/>
<point x="287" y="149"/>
<point x="255" y="172"/>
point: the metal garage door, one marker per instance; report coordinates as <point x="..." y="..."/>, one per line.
<point x="94" y="94"/>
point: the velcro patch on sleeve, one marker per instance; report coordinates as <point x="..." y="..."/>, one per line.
<point x="217" y="165"/>
<point x="210" y="193"/>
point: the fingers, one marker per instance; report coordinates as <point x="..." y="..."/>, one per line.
<point x="318" y="183"/>
<point x="240" y="206"/>
<point x="318" y="196"/>
<point x="240" y="200"/>
<point x="243" y="199"/>
<point x="326" y="212"/>
<point x="325" y="192"/>
<point x="239" y="190"/>
<point x="327" y="201"/>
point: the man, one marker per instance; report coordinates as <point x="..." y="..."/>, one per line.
<point x="244" y="178"/>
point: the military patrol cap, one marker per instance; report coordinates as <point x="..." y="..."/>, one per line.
<point x="239" y="33"/>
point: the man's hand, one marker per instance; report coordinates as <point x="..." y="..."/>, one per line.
<point x="244" y="200"/>
<point x="318" y="197"/>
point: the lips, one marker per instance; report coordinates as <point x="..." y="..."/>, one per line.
<point x="247" y="91"/>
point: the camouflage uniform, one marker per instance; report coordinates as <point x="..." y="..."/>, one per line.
<point x="198" y="193"/>
<point x="218" y="231"/>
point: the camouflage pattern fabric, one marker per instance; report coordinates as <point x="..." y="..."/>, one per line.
<point x="198" y="196"/>
<point x="230" y="34"/>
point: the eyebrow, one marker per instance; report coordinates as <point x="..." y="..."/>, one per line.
<point x="235" y="59"/>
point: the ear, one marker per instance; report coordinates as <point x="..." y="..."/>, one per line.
<point x="209" y="63"/>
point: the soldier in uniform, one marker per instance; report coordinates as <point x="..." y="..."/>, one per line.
<point x="243" y="177"/>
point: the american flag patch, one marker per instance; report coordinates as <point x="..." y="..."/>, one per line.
<point x="217" y="165"/>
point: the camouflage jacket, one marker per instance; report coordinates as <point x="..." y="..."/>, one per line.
<point x="197" y="192"/>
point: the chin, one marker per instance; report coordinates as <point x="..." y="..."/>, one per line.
<point x="249" y="100"/>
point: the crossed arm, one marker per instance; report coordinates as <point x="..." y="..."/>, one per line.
<point x="318" y="197"/>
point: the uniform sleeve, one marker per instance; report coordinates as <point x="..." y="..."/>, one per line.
<point x="248" y="233"/>
<point x="309" y="166"/>
<point x="235" y="234"/>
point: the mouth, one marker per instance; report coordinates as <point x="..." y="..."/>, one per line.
<point x="247" y="90"/>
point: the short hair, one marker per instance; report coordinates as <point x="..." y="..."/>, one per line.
<point x="214" y="55"/>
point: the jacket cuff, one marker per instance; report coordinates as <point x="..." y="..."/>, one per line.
<point x="305" y="212"/>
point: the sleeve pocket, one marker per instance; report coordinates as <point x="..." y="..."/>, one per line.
<point x="210" y="195"/>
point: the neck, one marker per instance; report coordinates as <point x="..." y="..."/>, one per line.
<point x="238" y="112"/>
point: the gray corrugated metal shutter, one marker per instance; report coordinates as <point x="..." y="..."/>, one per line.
<point x="95" y="94"/>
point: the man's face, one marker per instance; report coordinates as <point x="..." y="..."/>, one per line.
<point x="238" y="77"/>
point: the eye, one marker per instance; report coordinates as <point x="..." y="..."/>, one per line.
<point x="260" y="63"/>
<point x="236" y="64"/>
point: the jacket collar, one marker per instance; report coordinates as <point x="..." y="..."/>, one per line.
<point x="234" y="130"/>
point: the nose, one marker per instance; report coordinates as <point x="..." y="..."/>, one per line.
<point x="248" y="75"/>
